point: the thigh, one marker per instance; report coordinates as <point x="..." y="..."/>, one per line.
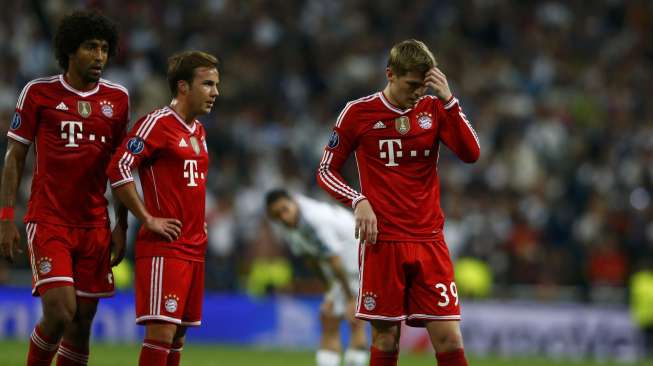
<point x="92" y="264"/>
<point x="433" y="294"/>
<point x="49" y="248"/>
<point x="381" y="295"/>
<point x="192" y="315"/>
<point x="161" y="286"/>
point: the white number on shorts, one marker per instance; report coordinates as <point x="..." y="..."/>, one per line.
<point x="443" y="292"/>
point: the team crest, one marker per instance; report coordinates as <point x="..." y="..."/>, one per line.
<point x="15" y="122"/>
<point x="84" y="108"/>
<point x="424" y="120"/>
<point x="171" y="302"/>
<point x="195" y="145"/>
<point x="369" y="301"/>
<point x="402" y="125"/>
<point x="107" y="108"/>
<point x="45" y="265"/>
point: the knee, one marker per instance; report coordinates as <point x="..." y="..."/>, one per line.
<point x="59" y="312"/>
<point x="447" y="342"/>
<point x="386" y="340"/>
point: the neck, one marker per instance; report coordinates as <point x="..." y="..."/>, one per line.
<point x="183" y="111"/>
<point x="390" y="97"/>
<point x="76" y="81"/>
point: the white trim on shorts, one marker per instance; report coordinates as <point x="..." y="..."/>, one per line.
<point x="144" y="318"/>
<point x="381" y="317"/>
<point x="433" y="317"/>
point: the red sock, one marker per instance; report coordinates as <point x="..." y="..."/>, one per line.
<point x="154" y="353"/>
<point x="380" y="358"/>
<point x="41" y="349"/>
<point x="453" y="358"/>
<point x="175" y="354"/>
<point x="69" y="355"/>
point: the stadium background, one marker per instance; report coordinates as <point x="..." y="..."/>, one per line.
<point x="558" y="209"/>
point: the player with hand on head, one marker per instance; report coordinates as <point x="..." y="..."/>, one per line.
<point x="406" y="271"/>
<point x="75" y="121"/>
<point x="168" y="147"/>
<point x="326" y="233"/>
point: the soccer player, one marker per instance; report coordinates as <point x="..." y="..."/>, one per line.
<point x="168" y="146"/>
<point x="75" y="120"/>
<point x="326" y="233"/>
<point x="406" y="272"/>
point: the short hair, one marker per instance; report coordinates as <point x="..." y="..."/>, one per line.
<point x="182" y="66"/>
<point x="79" y="27"/>
<point x="410" y="55"/>
<point x="274" y="195"/>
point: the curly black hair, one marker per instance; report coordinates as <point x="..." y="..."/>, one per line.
<point x="79" y="27"/>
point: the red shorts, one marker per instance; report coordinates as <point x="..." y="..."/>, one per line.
<point x="70" y="256"/>
<point x="169" y="290"/>
<point x="412" y="281"/>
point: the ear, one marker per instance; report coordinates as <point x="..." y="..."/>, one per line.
<point x="389" y="74"/>
<point x="182" y="87"/>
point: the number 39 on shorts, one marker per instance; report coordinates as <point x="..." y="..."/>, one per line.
<point x="445" y="292"/>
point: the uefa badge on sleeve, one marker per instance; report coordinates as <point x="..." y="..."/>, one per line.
<point x="333" y="140"/>
<point x="15" y="122"/>
<point x="135" y="145"/>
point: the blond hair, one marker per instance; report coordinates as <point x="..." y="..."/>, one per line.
<point x="410" y="55"/>
<point x="182" y="67"/>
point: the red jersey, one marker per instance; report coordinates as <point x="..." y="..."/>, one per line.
<point x="172" y="160"/>
<point x="74" y="134"/>
<point x="397" y="154"/>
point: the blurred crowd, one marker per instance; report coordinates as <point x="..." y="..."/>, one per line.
<point x="559" y="92"/>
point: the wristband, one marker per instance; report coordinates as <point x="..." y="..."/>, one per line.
<point x="7" y="213"/>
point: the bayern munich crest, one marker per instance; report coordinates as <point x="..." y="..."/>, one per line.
<point x="171" y="302"/>
<point x="424" y="120"/>
<point x="107" y="108"/>
<point x="369" y="301"/>
<point x="45" y="265"/>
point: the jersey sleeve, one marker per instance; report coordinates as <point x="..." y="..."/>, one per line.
<point x="342" y="142"/>
<point x="121" y="127"/>
<point x="142" y="143"/>
<point x="25" y="122"/>
<point x="457" y="133"/>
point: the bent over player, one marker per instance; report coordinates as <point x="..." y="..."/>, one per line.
<point x="75" y="121"/>
<point x="168" y="146"/>
<point x="406" y="272"/>
<point x="326" y="233"/>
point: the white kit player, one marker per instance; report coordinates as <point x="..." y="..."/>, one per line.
<point x="326" y="232"/>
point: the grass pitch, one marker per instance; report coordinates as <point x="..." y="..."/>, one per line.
<point x="12" y="353"/>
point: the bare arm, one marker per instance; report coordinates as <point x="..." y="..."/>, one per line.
<point x="335" y="262"/>
<point x="168" y="228"/>
<point x="119" y="234"/>
<point x="12" y="173"/>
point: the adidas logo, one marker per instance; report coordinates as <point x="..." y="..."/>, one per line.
<point x="183" y="143"/>
<point x="62" y="107"/>
<point x="378" y="125"/>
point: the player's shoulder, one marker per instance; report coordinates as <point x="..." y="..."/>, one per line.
<point x="147" y="123"/>
<point x="36" y="87"/>
<point x="115" y="87"/>
<point x="361" y="105"/>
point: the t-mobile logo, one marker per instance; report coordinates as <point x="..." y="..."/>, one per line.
<point x="190" y="172"/>
<point x="71" y="130"/>
<point x="391" y="153"/>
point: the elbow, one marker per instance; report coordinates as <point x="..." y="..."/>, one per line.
<point x="472" y="156"/>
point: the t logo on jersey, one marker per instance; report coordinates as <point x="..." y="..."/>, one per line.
<point x="190" y="172"/>
<point x="391" y="153"/>
<point x="71" y="130"/>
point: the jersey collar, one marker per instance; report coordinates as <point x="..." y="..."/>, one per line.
<point x="181" y="120"/>
<point x="390" y="106"/>
<point x="79" y="92"/>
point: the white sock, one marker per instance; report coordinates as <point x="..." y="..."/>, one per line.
<point x="325" y="357"/>
<point x="355" y="357"/>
